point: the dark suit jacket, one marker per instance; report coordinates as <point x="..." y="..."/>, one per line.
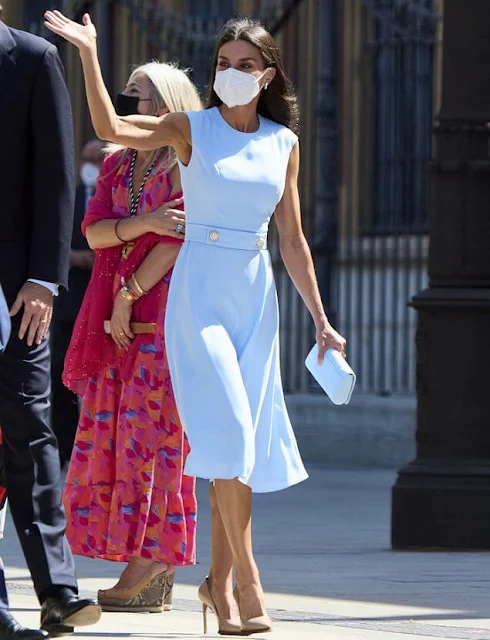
<point x="36" y="164"/>
<point x="70" y="301"/>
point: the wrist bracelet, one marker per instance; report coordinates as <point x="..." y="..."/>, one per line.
<point x="117" y="234"/>
<point x="133" y="280"/>
<point x="134" y="293"/>
<point x="127" y="295"/>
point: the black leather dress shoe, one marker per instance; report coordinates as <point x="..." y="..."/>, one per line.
<point x="10" y="629"/>
<point x="59" y="616"/>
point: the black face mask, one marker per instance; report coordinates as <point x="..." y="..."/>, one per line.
<point x="127" y="105"/>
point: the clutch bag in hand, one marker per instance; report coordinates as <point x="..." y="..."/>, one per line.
<point x="334" y="376"/>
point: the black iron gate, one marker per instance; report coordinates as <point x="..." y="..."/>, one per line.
<point x="381" y="260"/>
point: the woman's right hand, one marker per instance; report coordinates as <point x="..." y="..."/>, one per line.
<point x="83" y="36"/>
<point x="165" y="220"/>
<point x="121" y="322"/>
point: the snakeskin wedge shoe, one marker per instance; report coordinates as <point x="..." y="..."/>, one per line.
<point x="155" y="597"/>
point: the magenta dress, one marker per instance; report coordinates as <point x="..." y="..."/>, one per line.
<point x="126" y="493"/>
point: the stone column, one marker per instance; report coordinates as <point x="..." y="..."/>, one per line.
<point x="442" y="498"/>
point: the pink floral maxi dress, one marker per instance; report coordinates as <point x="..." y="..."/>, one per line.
<point x="126" y="494"/>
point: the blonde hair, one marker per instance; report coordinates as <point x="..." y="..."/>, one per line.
<point x="171" y="88"/>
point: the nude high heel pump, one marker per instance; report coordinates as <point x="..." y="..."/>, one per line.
<point x="259" y="624"/>
<point x="226" y="627"/>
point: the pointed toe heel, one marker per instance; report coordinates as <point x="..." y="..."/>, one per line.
<point x="226" y="626"/>
<point x="259" y="624"/>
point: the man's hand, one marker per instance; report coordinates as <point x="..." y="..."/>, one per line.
<point x="82" y="259"/>
<point x="38" y="311"/>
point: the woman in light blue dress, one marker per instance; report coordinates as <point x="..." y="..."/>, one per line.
<point x="239" y="162"/>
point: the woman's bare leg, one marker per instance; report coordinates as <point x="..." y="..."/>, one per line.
<point x="221" y="571"/>
<point x="137" y="568"/>
<point x="235" y="506"/>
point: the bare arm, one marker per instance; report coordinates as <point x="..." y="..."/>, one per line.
<point x="144" y="133"/>
<point x="163" y="221"/>
<point x="102" y="234"/>
<point x="168" y="130"/>
<point x="297" y="258"/>
<point x="156" y="264"/>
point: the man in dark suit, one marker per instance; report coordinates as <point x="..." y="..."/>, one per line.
<point x="64" y="403"/>
<point x="36" y="217"/>
<point x="7" y="622"/>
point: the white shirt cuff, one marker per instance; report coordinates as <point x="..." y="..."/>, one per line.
<point x="49" y="285"/>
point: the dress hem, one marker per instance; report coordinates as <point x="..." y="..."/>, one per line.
<point x="117" y="519"/>
<point x="269" y="489"/>
<point x="126" y="557"/>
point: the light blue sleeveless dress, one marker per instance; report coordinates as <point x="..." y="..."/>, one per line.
<point x="222" y="315"/>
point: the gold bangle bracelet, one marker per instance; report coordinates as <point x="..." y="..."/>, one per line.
<point x="126" y="294"/>
<point x="137" y="286"/>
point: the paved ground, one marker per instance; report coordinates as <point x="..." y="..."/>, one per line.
<point x="323" y="548"/>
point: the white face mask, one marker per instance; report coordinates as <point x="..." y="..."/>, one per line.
<point x="236" y="88"/>
<point x="89" y="173"/>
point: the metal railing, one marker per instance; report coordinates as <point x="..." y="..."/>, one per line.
<point x="380" y="262"/>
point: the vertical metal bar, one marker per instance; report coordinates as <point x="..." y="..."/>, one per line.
<point x="377" y="204"/>
<point x="123" y="26"/>
<point x="347" y="226"/>
<point x="391" y="162"/>
<point x="325" y="228"/>
<point x="361" y="298"/>
<point x="305" y="335"/>
<point x="414" y="187"/>
<point x="134" y="44"/>
<point x="403" y="119"/>
<point x="410" y="215"/>
<point x="102" y="17"/>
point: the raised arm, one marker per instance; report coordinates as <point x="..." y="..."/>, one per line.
<point x="297" y="258"/>
<point x="142" y="132"/>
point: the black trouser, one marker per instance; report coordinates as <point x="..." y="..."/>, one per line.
<point x="4" y="599"/>
<point x="64" y="403"/>
<point x="32" y="463"/>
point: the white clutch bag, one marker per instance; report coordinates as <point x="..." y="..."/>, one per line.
<point x="334" y="376"/>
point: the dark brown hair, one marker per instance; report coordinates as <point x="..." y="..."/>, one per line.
<point x="279" y="101"/>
